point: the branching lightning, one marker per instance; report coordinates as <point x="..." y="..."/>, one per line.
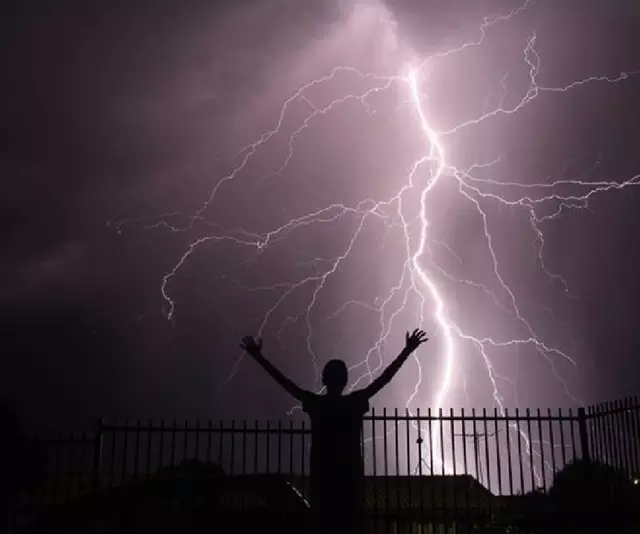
<point x="538" y="202"/>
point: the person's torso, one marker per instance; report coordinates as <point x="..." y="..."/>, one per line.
<point x="336" y="430"/>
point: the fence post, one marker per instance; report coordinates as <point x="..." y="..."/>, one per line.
<point x="584" y="437"/>
<point x="97" y="456"/>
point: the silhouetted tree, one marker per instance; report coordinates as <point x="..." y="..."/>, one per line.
<point x="21" y="461"/>
<point x="588" y="497"/>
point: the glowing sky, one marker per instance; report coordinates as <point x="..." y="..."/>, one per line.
<point x="398" y="104"/>
<point x="332" y="177"/>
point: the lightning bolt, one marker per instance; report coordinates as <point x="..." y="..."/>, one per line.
<point x="423" y="273"/>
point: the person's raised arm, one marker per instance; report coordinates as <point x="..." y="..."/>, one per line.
<point x="413" y="341"/>
<point x="254" y="349"/>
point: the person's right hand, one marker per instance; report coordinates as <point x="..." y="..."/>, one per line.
<point x="252" y="346"/>
<point x="414" y="340"/>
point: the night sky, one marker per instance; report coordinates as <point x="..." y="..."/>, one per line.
<point x="126" y="143"/>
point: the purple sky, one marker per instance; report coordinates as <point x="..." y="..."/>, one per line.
<point x="116" y="114"/>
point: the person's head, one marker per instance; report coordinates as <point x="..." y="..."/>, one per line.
<point x="334" y="376"/>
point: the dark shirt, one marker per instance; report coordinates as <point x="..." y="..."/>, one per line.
<point x="336" y="430"/>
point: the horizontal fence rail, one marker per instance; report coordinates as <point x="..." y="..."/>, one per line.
<point x="448" y="466"/>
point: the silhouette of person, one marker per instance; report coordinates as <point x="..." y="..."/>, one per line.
<point x="337" y="471"/>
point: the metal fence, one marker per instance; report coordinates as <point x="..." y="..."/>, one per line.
<point x="473" y="455"/>
<point x="613" y="434"/>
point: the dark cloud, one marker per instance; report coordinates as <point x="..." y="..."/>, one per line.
<point x="119" y="110"/>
